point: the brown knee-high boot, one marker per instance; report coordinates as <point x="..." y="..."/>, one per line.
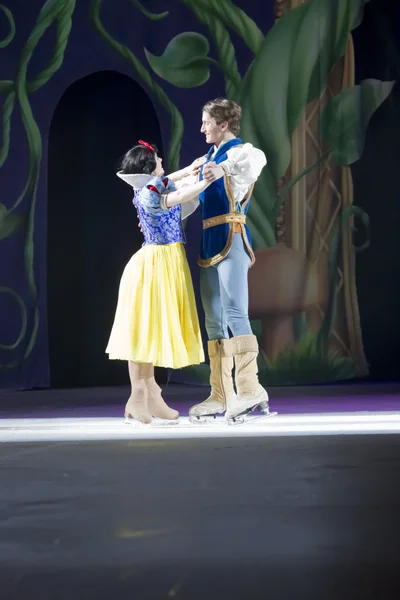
<point x="222" y="391"/>
<point x="250" y="394"/>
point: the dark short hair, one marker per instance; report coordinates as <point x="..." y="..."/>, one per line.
<point x="138" y="160"/>
<point x="222" y="109"/>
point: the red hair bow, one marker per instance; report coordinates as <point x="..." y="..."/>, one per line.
<point x="146" y="145"/>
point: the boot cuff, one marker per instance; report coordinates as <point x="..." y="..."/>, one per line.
<point x="244" y="343"/>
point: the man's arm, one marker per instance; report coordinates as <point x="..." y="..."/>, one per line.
<point x="244" y="164"/>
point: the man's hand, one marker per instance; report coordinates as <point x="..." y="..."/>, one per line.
<point x="212" y="172"/>
<point x="194" y="168"/>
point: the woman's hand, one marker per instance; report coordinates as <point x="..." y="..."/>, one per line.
<point x="191" y="170"/>
<point x="194" y="168"/>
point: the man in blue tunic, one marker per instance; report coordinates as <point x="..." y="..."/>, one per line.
<point x="225" y="258"/>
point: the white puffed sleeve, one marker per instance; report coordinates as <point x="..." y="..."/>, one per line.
<point x="244" y="164"/>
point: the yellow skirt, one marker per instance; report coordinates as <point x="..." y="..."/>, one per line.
<point x="156" y="319"/>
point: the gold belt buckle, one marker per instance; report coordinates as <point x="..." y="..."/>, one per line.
<point x="236" y="220"/>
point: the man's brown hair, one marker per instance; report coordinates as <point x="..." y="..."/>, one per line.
<point x="222" y="109"/>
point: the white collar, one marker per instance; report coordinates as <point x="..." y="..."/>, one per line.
<point x="137" y="181"/>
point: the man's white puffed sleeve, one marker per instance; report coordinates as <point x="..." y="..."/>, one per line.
<point x="244" y="164"/>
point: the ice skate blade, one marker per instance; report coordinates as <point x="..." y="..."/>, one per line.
<point x="202" y="419"/>
<point x="243" y="417"/>
<point x="157" y="422"/>
<point x="264" y="408"/>
<point x="236" y="421"/>
<point x="134" y="422"/>
<point x="249" y="418"/>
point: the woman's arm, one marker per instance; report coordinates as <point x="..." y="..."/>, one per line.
<point x="184" y="194"/>
<point x="192" y="169"/>
<point x="179" y="174"/>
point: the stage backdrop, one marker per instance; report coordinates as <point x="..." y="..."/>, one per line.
<point x="82" y="81"/>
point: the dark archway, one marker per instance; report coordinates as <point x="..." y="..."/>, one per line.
<point x="92" y="226"/>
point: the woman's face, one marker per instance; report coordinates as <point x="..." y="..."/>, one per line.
<point x="158" y="171"/>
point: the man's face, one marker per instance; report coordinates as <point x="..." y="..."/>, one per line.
<point x="214" y="132"/>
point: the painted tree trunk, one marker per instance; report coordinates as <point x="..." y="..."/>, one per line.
<point x="308" y="217"/>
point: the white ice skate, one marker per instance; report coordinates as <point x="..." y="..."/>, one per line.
<point x="207" y="411"/>
<point x="240" y="409"/>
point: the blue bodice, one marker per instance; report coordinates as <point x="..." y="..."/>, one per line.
<point x="159" y="225"/>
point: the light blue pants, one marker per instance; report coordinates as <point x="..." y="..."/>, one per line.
<point x="225" y="293"/>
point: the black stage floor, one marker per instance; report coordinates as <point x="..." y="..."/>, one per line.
<point x="277" y="517"/>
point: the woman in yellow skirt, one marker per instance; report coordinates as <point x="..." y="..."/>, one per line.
<point x="156" y="321"/>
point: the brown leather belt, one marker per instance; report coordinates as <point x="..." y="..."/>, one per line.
<point x="235" y="218"/>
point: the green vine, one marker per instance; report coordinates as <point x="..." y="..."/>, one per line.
<point x="6" y="86"/>
<point x="8" y="108"/>
<point x="234" y="18"/>
<point x="225" y="48"/>
<point x="24" y="318"/>
<point x="147" y="13"/>
<point x="151" y="85"/>
<point x="9" y="38"/>
<point x="59" y="11"/>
